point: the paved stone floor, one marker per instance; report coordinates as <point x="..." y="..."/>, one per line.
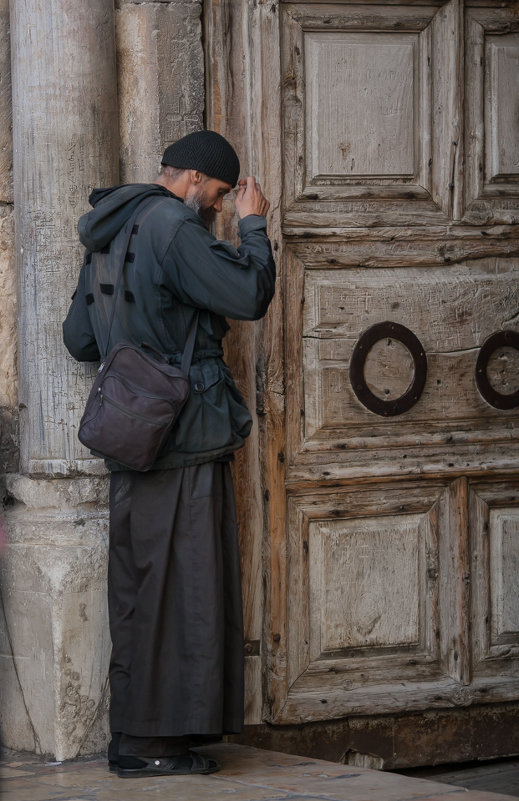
<point x="248" y="774"/>
<point x="499" y="776"/>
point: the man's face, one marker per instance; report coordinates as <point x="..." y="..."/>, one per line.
<point x="206" y="197"/>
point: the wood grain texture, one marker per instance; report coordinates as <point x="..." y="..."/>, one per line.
<point x="338" y="662"/>
<point x="502" y="84"/>
<point x="360" y="84"/>
<point x="454" y="583"/>
<point x="333" y="248"/>
<point x="491" y="191"/>
<point x="341" y="71"/>
<point x="494" y="512"/>
<point x="224" y="21"/>
<point x="452" y="312"/>
<point x="247" y="112"/>
<point x="504" y="559"/>
<point x="368" y="522"/>
<point x="364" y="578"/>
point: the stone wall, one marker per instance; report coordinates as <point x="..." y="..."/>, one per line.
<point x="90" y="83"/>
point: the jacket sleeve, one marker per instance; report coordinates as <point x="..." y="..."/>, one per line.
<point x="211" y="274"/>
<point x="78" y="334"/>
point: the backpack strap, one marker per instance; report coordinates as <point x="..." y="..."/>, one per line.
<point x="187" y="356"/>
<point x="120" y="256"/>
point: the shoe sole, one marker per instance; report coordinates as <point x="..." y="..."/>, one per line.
<point x="136" y="773"/>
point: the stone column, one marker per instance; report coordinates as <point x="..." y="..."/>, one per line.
<point x="65" y="125"/>
<point x="8" y="315"/>
<point x="161" y="80"/>
<point x="53" y="629"/>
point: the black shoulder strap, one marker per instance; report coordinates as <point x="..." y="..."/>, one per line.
<point x="120" y="256"/>
<point x="187" y="356"/>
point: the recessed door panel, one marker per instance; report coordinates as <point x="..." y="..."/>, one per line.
<point x="383" y="134"/>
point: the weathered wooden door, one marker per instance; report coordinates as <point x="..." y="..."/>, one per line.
<point x="384" y="503"/>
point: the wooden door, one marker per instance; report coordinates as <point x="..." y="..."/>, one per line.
<point x="381" y="514"/>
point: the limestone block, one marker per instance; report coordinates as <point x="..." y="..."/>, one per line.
<point x="161" y="80"/>
<point x="58" y="495"/>
<point x="8" y="330"/>
<point x="6" y="134"/>
<point x="13" y="715"/>
<point x="55" y="644"/>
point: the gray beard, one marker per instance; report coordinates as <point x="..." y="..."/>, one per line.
<point x="208" y="215"/>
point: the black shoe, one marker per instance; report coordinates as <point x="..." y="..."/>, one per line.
<point x="181" y="765"/>
<point x="113" y="751"/>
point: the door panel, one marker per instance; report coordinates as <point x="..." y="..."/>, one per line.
<point x="492" y="142"/>
<point x="495" y="562"/>
<point x="361" y="139"/>
<point x="377" y="601"/>
<point x="450" y="311"/>
<point x="382" y="133"/>
<point x="384" y="631"/>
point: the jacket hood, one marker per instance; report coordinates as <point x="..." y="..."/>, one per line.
<point x="112" y="208"/>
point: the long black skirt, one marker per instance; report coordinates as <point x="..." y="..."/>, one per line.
<point x="174" y="596"/>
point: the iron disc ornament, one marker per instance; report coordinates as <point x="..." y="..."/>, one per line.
<point x="496" y="399"/>
<point x="390" y="330"/>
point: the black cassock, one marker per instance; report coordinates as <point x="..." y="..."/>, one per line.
<point x="174" y="595"/>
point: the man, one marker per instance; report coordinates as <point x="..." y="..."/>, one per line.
<point x="176" y="670"/>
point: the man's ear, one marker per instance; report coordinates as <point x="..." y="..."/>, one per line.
<point x="196" y="176"/>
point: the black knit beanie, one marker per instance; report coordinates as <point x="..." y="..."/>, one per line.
<point x="207" y="152"/>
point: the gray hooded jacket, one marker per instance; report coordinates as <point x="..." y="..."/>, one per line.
<point x="174" y="266"/>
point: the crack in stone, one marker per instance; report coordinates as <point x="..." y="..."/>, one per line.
<point x="452" y="352"/>
<point x="37" y="743"/>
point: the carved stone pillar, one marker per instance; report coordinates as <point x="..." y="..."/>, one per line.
<point x="53" y="629"/>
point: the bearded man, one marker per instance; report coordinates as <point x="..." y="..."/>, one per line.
<point x="174" y="594"/>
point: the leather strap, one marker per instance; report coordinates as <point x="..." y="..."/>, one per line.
<point x="187" y="356"/>
<point x="123" y="249"/>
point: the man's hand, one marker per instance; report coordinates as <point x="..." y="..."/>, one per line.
<point x="250" y="199"/>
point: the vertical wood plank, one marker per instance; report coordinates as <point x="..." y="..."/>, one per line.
<point x="480" y="567"/>
<point x="247" y="112"/>
<point x="266" y="127"/>
<point x="455" y="582"/>
<point x="226" y="100"/>
<point x="447" y="104"/>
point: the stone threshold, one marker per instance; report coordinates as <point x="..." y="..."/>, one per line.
<point x="248" y="774"/>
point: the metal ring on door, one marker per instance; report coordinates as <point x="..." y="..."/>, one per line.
<point x="496" y="399"/>
<point x="358" y="360"/>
